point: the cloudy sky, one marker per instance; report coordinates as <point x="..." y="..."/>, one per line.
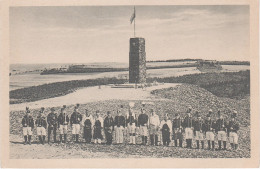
<point x="101" y="34"/>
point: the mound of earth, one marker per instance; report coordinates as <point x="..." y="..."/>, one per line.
<point x="202" y="100"/>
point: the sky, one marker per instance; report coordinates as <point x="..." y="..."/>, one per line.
<point x="84" y="34"/>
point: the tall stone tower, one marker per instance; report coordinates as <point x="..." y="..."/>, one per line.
<point x="137" y="61"/>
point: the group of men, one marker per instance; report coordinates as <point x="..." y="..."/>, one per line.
<point x="179" y="128"/>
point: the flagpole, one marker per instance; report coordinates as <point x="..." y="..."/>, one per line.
<point x="134" y="21"/>
<point x="134" y="28"/>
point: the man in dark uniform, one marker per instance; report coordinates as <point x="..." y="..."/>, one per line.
<point x="119" y="123"/>
<point x="41" y="126"/>
<point x="28" y="125"/>
<point x="52" y="121"/>
<point x="75" y="121"/>
<point x="63" y="121"/>
<point x="109" y="127"/>
<point x="221" y="129"/>
<point x="98" y="126"/>
<point x="233" y="128"/>
<point x="131" y="124"/>
<point x="177" y="130"/>
<point x="143" y="123"/>
<point x="210" y="128"/>
<point x="199" y="128"/>
<point x="188" y="125"/>
<point x="88" y="126"/>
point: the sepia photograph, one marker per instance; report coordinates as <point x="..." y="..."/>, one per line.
<point x="130" y="82"/>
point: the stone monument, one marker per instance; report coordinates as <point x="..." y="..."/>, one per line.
<point x="137" y="61"/>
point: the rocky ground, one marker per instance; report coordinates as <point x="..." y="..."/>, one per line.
<point x="174" y="99"/>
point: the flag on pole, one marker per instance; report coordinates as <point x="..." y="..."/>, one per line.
<point x="132" y="17"/>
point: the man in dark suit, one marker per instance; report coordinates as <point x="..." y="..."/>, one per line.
<point x="28" y="125"/>
<point x="109" y="127"/>
<point x="41" y="126"/>
<point x="52" y="121"/>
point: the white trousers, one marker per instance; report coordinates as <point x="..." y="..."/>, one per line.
<point x="41" y="131"/>
<point x="233" y="137"/>
<point x="199" y="135"/>
<point x="75" y="128"/>
<point x="27" y="131"/>
<point x="210" y="136"/>
<point x="63" y="129"/>
<point x="188" y="133"/>
<point x="222" y="136"/>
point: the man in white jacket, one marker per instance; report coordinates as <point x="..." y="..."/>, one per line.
<point x="166" y="127"/>
<point x="154" y="124"/>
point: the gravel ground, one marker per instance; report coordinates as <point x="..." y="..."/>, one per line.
<point x="175" y="99"/>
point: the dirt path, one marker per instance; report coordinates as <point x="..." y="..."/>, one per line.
<point x="92" y="94"/>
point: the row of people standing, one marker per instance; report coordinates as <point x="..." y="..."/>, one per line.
<point x="188" y="126"/>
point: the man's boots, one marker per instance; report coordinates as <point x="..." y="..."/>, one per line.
<point x="43" y="139"/>
<point x="180" y="143"/>
<point x="25" y="140"/>
<point x="213" y="145"/>
<point x="225" y="145"/>
<point x="29" y="139"/>
<point x="232" y="145"/>
<point x="77" y="138"/>
<point x="219" y="145"/>
<point x="40" y="139"/>
<point x="190" y="143"/>
<point x="156" y="140"/>
<point x="209" y="145"/>
<point x="60" y="138"/>
<point x="65" y="138"/>
<point x="198" y="144"/>
<point x="236" y="146"/>
<point x="187" y="143"/>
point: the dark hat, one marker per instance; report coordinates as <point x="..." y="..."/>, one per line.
<point x="52" y="109"/>
<point x="27" y="110"/>
<point x="210" y="112"/>
<point x="121" y="106"/>
<point x="77" y="104"/>
<point x="108" y="112"/>
<point x="219" y="113"/>
<point x="64" y="106"/>
<point x="42" y="108"/>
<point x="197" y="114"/>
<point x="234" y="114"/>
<point x="177" y="114"/>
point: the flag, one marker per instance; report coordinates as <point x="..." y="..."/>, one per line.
<point x="132" y="17"/>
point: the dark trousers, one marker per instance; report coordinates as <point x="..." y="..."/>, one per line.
<point x="108" y="136"/>
<point x="154" y="139"/>
<point x="52" y="129"/>
<point x="87" y="134"/>
<point x="166" y="137"/>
